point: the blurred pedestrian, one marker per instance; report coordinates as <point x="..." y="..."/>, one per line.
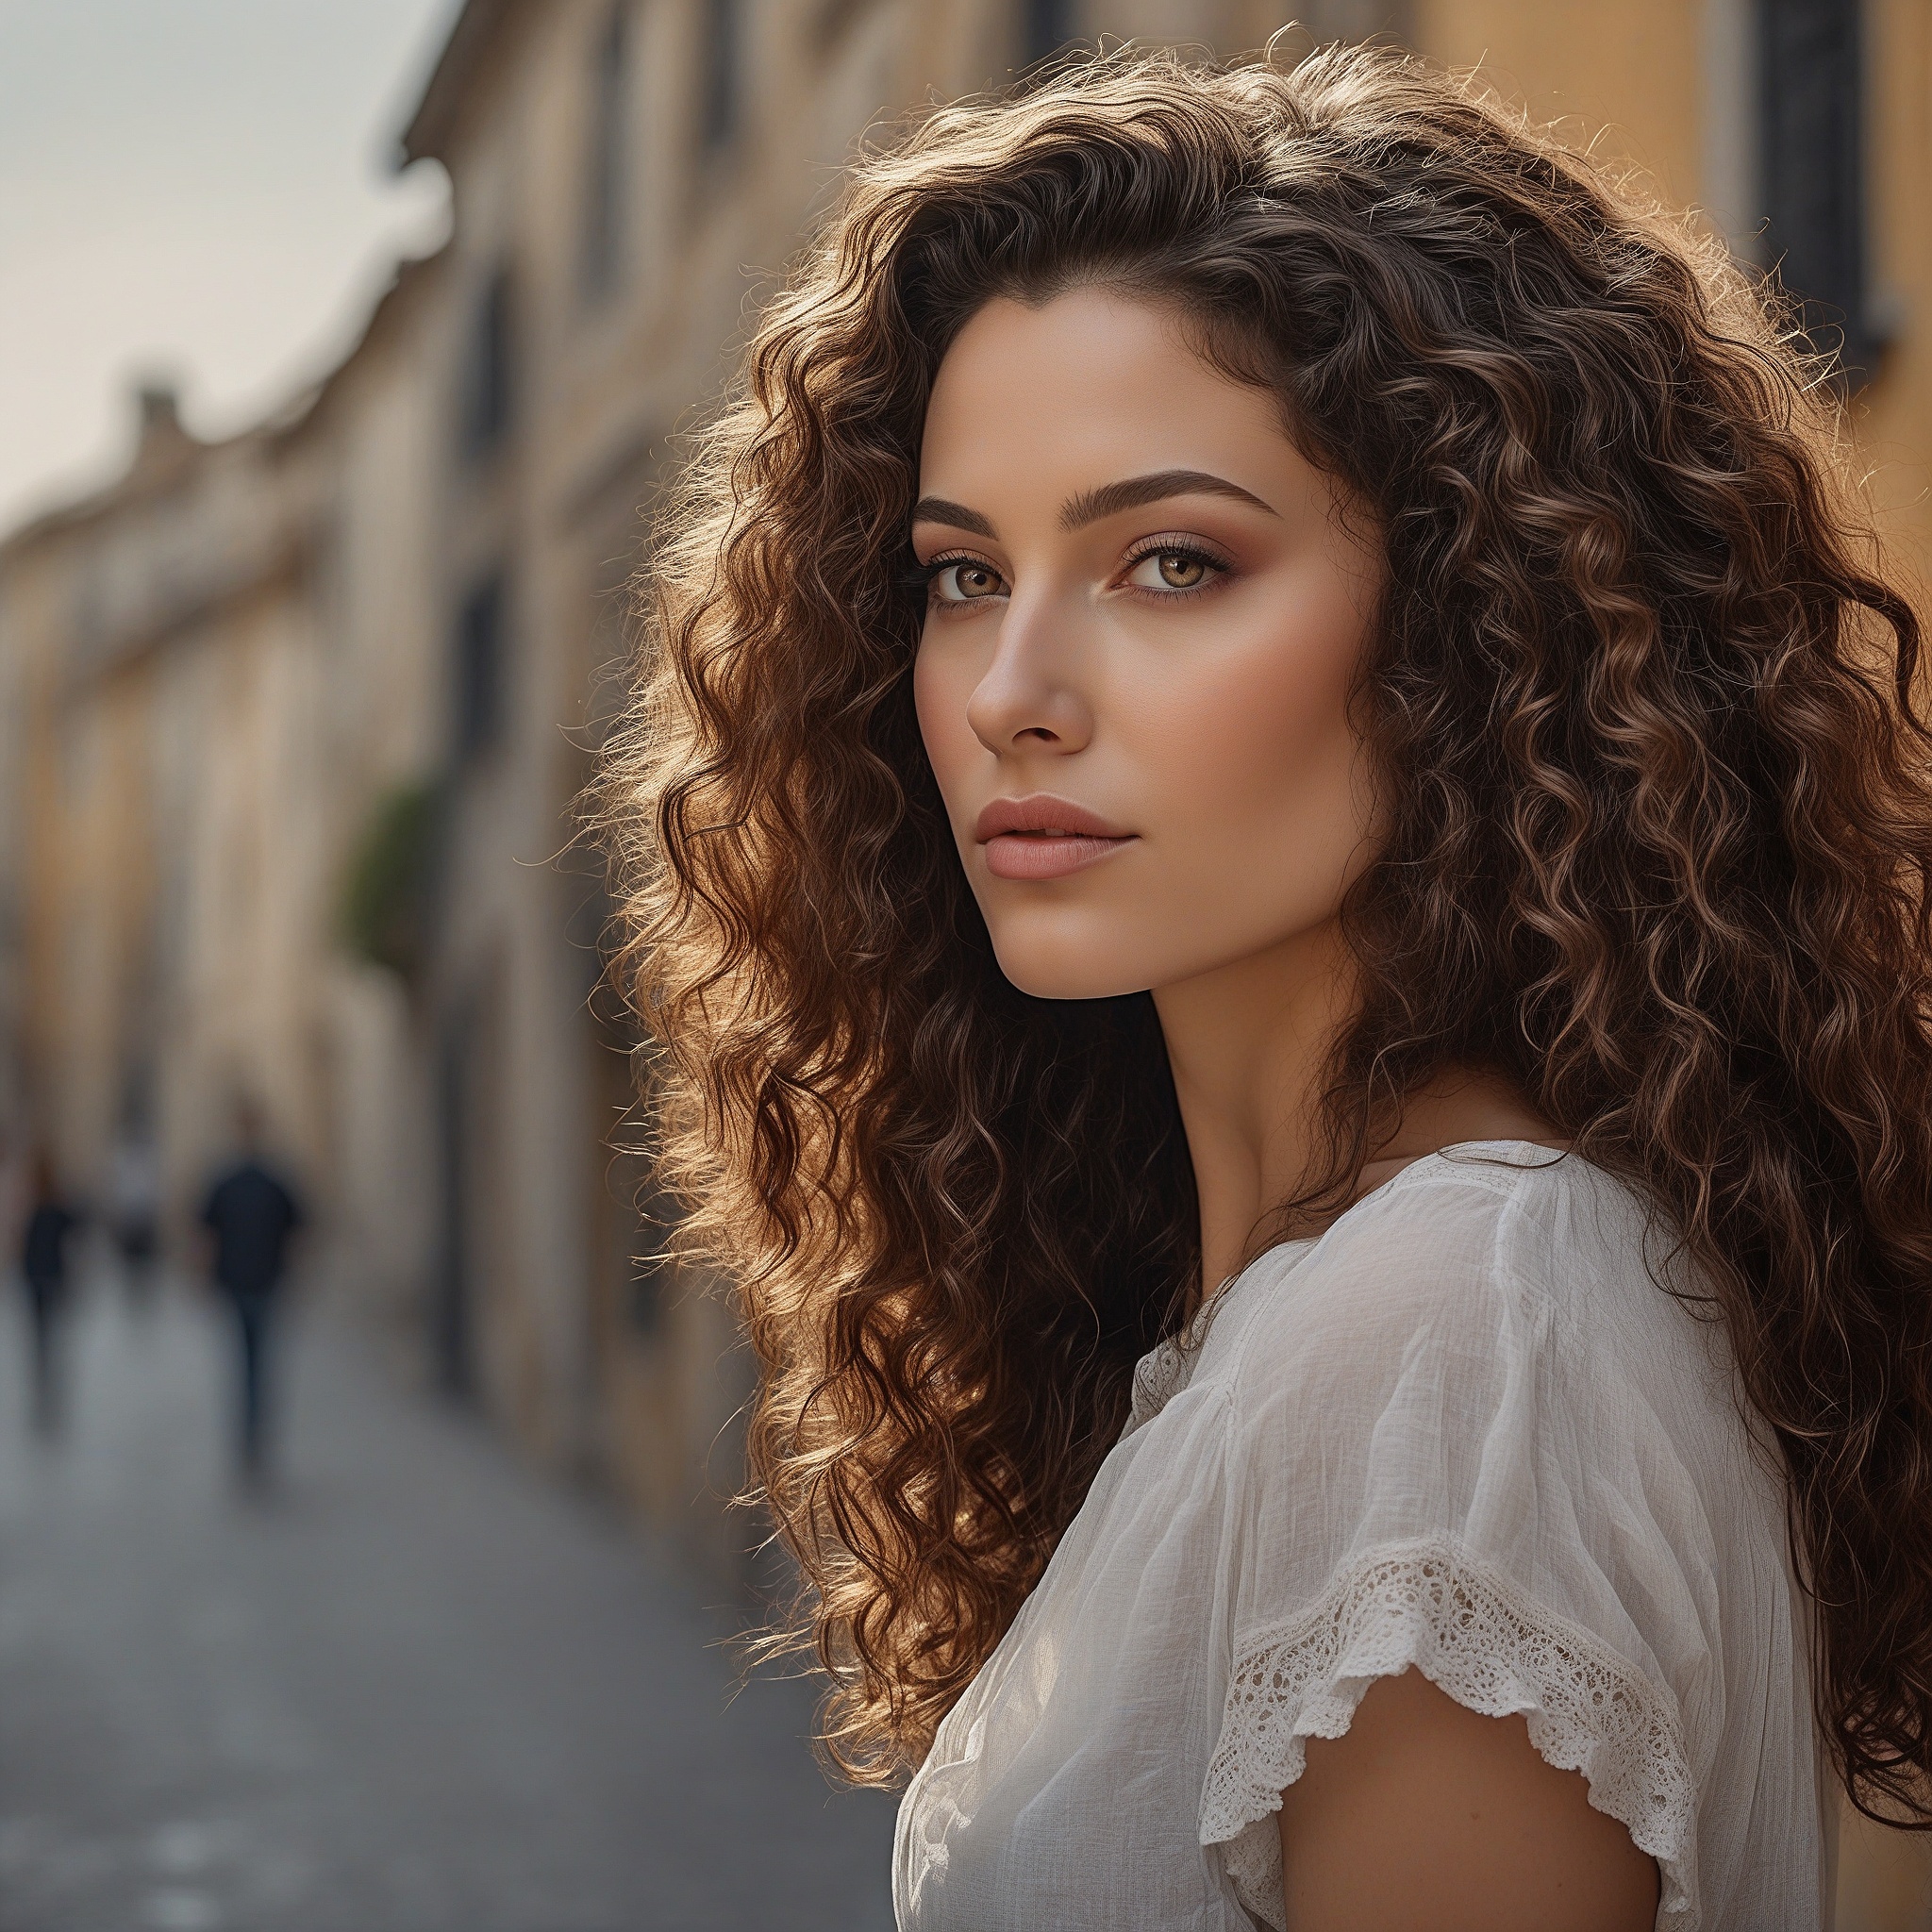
<point x="253" y="1214"/>
<point x="50" y="1225"/>
<point x="134" y="1211"/>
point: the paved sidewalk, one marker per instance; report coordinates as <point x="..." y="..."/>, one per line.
<point x="419" y="1687"/>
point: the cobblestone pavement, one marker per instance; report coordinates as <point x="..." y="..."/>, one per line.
<point x="417" y="1687"/>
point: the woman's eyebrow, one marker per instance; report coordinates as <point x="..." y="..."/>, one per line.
<point x="1136" y="492"/>
<point x="937" y="510"/>
<point x="1089" y="505"/>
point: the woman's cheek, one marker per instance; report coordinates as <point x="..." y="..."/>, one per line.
<point x="1257" y="763"/>
<point x="941" y="688"/>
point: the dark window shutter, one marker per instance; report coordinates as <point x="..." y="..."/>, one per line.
<point x="481" y="625"/>
<point x="491" y="369"/>
<point x="723" y="55"/>
<point x="604" y="171"/>
<point x="1812" y="169"/>
<point x="1045" y="27"/>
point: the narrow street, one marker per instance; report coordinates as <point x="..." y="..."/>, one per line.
<point x="415" y="1687"/>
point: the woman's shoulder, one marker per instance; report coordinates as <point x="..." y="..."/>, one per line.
<point x="1511" y="1199"/>
<point x="1484" y="1253"/>
<point x="1469" y="1430"/>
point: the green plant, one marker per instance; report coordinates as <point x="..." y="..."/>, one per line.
<point x="386" y="910"/>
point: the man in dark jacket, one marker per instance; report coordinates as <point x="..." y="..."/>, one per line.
<point x="253" y="1215"/>
<point x="44" y="1273"/>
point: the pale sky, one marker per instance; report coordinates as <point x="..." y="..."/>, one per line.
<point x="202" y="188"/>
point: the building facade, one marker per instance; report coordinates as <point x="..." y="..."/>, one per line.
<point x="167" y="862"/>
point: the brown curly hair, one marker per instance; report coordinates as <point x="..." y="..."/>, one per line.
<point x="1641" y="700"/>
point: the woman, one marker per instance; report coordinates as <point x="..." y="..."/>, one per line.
<point x="1277" y="836"/>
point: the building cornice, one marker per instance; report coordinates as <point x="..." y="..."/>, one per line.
<point x="413" y="277"/>
<point x="452" y="83"/>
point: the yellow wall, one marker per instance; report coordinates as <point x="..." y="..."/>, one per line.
<point x="1636" y="78"/>
<point x="1894" y="419"/>
<point x="1633" y="70"/>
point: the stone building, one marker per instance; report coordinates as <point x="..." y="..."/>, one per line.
<point x="168" y="864"/>
<point x="217" y="663"/>
<point x="366" y="450"/>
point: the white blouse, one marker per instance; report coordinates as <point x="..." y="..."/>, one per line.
<point x="1464" y="1430"/>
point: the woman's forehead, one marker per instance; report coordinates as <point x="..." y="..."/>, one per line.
<point x="1045" y="411"/>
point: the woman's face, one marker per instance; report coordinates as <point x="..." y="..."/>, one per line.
<point x="1143" y="617"/>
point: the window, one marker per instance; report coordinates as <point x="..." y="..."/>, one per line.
<point x="480" y="669"/>
<point x="1811" y="169"/>
<point x="489" y="400"/>
<point x="604" y="197"/>
<point x="1045" y="27"/>
<point x="722" y="54"/>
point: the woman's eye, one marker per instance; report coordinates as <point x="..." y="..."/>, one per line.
<point x="966" y="582"/>
<point x="1173" y="569"/>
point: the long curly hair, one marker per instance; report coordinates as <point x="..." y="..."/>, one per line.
<point x="1641" y="699"/>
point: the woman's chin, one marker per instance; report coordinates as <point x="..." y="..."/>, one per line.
<point x="1056" y="977"/>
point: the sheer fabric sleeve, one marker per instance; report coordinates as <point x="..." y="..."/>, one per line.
<point x="1444" y="1459"/>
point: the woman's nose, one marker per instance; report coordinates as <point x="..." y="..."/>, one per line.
<point x="1030" y="698"/>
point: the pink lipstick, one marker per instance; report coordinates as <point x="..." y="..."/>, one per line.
<point x="1041" y="837"/>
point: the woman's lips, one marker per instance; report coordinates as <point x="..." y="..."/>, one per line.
<point x="1042" y="837"/>
<point x="1038" y="856"/>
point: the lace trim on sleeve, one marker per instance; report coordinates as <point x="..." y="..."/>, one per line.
<point x="1475" y="1635"/>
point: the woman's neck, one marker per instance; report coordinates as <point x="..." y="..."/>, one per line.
<point x="1249" y="1045"/>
